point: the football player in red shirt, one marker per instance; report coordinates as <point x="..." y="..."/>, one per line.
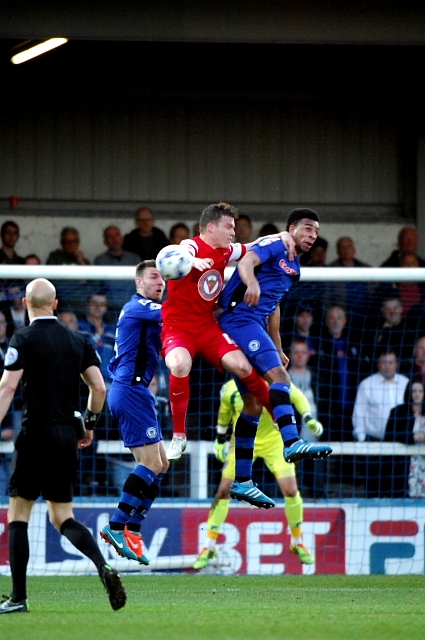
<point x="190" y="327"/>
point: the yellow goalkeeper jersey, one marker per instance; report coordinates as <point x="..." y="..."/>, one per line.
<point x="268" y="441"/>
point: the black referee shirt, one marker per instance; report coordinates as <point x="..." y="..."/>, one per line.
<point x="52" y="357"/>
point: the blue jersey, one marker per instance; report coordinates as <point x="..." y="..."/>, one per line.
<point x="247" y="326"/>
<point x="137" y="342"/>
<point x="275" y="274"/>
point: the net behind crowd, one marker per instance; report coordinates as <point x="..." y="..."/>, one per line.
<point x="363" y="507"/>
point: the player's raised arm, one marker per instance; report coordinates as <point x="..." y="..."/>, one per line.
<point x="273" y="328"/>
<point x="246" y="271"/>
<point x="286" y="238"/>
<point x="202" y="263"/>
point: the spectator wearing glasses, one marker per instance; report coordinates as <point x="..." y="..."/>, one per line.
<point x="146" y="240"/>
<point x="71" y="293"/>
<point x="70" y="252"/>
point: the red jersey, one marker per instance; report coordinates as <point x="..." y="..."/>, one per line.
<point x="192" y="299"/>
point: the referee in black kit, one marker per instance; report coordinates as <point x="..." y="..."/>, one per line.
<point x="49" y="358"/>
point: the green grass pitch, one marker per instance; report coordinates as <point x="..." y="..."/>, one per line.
<point x="201" y="607"/>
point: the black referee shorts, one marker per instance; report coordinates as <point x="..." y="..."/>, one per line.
<point x="45" y="464"/>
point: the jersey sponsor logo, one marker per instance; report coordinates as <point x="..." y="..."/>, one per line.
<point x="287" y="269"/>
<point x="210" y="284"/>
<point x="151" y="433"/>
<point x="254" y="345"/>
<point x="154" y="306"/>
<point x="10" y="357"/>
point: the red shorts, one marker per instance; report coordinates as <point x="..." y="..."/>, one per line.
<point x="207" y="341"/>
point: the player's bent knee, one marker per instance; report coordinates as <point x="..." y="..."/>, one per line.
<point x="288" y="486"/>
<point x="277" y="374"/>
<point x="236" y="363"/>
<point x="180" y="370"/>
<point x="223" y="490"/>
<point x="179" y="362"/>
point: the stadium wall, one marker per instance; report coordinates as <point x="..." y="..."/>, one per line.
<point x="40" y="234"/>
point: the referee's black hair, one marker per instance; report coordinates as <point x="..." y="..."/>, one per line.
<point x="298" y="214"/>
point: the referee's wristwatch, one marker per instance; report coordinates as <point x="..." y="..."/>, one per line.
<point x="91" y="420"/>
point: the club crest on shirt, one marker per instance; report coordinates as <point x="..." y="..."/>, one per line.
<point x="10" y="357"/>
<point x="210" y="284"/>
<point x="287" y="269"/>
<point x="254" y="345"/>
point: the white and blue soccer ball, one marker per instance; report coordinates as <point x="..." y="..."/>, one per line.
<point x="173" y="262"/>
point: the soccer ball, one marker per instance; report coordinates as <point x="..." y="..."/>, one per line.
<point x="173" y="262"/>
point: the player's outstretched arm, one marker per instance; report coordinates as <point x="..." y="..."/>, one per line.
<point x="221" y="445"/>
<point x="202" y="263"/>
<point x="289" y="243"/>
<point x="226" y="413"/>
<point x="246" y="271"/>
<point x="273" y="328"/>
<point x="286" y="238"/>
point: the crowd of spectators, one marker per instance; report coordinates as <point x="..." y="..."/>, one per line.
<point x="357" y="350"/>
<point x="366" y="344"/>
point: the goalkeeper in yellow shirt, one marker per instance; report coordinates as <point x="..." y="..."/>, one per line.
<point x="268" y="445"/>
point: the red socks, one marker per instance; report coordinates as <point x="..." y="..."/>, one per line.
<point x="179" y="400"/>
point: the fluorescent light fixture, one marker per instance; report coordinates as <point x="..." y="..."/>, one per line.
<point x="37" y="50"/>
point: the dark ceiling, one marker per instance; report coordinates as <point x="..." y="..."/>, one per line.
<point x="125" y="68"/>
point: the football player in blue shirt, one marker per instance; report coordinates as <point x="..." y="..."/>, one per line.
<point x="132" y="404"/>
<point x="251" y="317"/>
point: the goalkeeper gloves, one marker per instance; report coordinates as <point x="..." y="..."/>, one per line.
<point x="315" y="426"/>
<point x="220" y="447"/>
